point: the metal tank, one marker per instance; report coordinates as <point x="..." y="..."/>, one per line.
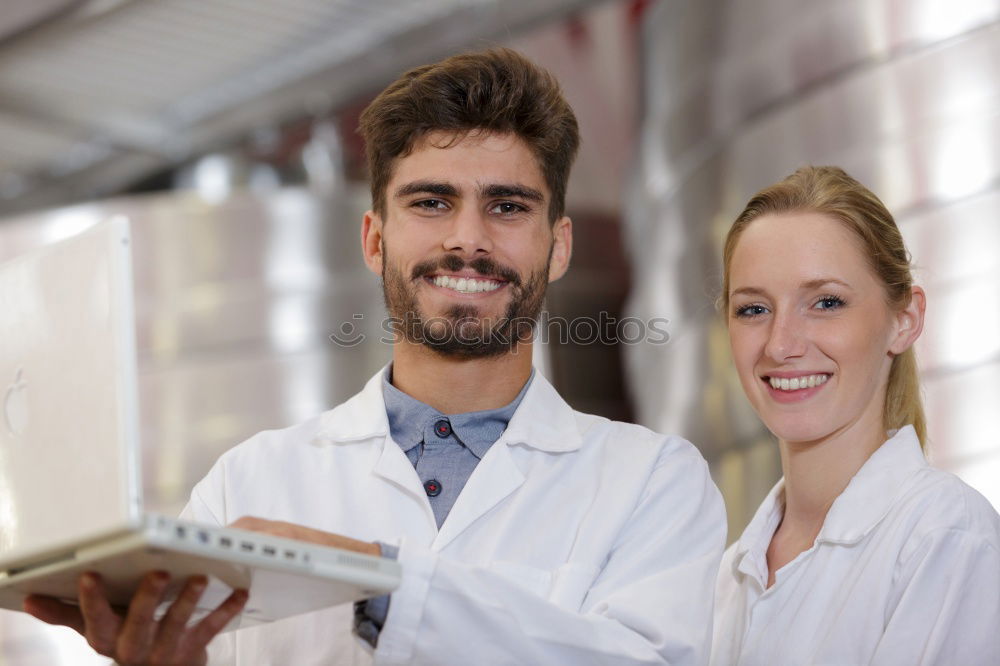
<point x="905" y="97"/>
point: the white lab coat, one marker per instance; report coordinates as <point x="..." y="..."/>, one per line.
<point x="577" y="540"/>
<point x="905" y="570"/>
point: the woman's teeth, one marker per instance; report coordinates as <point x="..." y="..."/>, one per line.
<point x="796" y="383"/>
<point x="466" y="285"/>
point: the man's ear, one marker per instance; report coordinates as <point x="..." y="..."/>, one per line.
<point x="371" y="242"/>
<point x="909" y="322"/>
<point x="562" y="248"/>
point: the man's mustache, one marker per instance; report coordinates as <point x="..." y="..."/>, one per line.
<point x="485" y="266"/>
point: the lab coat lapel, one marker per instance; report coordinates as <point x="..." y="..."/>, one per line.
<point x="542" y="423"/>
<point x="494" y="478"/>
<point x="361" y="421"/>
<point x="394" y="467"/>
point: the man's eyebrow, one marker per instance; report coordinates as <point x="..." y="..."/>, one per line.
<point x="426" y="187"/>
<point x="512" y="190"/>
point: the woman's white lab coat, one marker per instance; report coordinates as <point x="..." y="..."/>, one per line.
<point x="905" y="570"/>
<point x="577" y="540"/>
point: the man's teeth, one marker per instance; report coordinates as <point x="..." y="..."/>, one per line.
<point x="796" y="383"/>
<point x="466" y="285"/>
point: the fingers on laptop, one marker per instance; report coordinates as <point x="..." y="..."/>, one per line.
<point x="217" y="620"/>
<point x="174" y="623"/>
<point x="54" y="611"/>
<point x="135" y="636"/>
<point x="138" y="631"/>
<point x="178" y="643"/>
<point x="101" y="622"/>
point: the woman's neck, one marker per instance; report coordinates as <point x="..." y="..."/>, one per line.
<point x="816" y="473"/>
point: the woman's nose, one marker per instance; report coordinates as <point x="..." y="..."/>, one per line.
<point x="786" y="339"/>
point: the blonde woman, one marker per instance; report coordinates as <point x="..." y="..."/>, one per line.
<point x="862" y="553"/>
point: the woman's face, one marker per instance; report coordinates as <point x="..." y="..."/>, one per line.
<point x="811" y="332"/>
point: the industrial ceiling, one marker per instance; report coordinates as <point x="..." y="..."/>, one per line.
<point x="97" y="95"/>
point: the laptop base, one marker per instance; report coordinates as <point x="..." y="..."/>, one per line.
<point x="284" y="577"/>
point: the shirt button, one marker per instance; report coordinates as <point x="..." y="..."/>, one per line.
<point x="442" y="428"/>
<point x="432" y="487"/>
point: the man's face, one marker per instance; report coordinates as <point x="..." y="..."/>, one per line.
<point x="466" y="249"/>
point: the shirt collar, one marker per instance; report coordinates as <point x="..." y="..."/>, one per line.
<point x="863" y="504"/>
<point x="751" y="550"/>
<point x="542" y="420"/>
<point x="409" y="419"/>
<point x="874" y="489"/>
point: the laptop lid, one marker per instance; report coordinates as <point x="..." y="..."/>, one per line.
<point x="69" y="444"/>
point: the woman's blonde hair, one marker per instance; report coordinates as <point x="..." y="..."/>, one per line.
<point x="830" y="191"/>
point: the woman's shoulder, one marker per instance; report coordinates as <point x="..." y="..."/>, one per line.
<point x="938" y="503"/>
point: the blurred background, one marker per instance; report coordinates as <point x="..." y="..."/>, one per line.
<point x="225" y="131"/>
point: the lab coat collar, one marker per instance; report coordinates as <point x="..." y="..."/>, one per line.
<point x="751" y="550"/>
<point x="863" y="504"/>
<point x="542" y="421"/>
<point x="874" y="489"/>
<point x="360" y="418"/>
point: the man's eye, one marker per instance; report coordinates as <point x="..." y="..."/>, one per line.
<point x="507" y="208"/>
<point x="431" y="204"/>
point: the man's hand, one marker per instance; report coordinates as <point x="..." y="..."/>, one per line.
<point x="280" y="528"/>
<point x="134" y="637"/>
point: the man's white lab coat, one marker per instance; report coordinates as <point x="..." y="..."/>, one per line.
<point x="577" y="540"/>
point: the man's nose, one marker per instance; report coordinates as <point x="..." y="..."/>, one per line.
<point x="468" y="234"/>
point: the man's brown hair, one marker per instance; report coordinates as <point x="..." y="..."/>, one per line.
<point x="497" y="90"/>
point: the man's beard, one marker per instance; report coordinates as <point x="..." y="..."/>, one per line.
<point x="462" y="331"/>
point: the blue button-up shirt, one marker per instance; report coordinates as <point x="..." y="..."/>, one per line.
<point x="444" y="449"/>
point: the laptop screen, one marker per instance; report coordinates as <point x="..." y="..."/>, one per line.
<point x="68" y="417"/>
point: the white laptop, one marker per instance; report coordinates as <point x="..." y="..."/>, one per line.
<point x="70" y="470"/>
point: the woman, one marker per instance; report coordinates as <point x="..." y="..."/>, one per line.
<point x="862" y="553"/>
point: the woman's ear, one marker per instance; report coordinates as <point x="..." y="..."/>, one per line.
<point x="371" y="242"/>
<point x="909" y="322"/>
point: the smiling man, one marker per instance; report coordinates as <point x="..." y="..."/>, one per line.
<point x="527" y="532"/>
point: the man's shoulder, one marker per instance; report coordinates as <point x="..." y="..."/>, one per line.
<point x="277" y="441"/>
<point x="633" y="438"/>
<point x="348" y="419"/>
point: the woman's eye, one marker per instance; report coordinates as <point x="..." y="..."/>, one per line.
<point x="507" y="208"/>
<point x="829" y="303"/>
<point x="748" y="311"/>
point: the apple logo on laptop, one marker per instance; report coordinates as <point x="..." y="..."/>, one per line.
<point x="15" y="404"/>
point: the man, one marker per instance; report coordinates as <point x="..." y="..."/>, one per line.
<point x="528" y="533"/>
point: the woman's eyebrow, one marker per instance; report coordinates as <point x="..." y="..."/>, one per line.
<point x="752" y="291"/>
<point x="808" y="284"/>
<point x="819" y="282"/>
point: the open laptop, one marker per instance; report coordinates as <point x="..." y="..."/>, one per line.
<point x="70" y="470"/>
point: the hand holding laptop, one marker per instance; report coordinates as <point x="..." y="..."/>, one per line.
<point x="135" y="636"/>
